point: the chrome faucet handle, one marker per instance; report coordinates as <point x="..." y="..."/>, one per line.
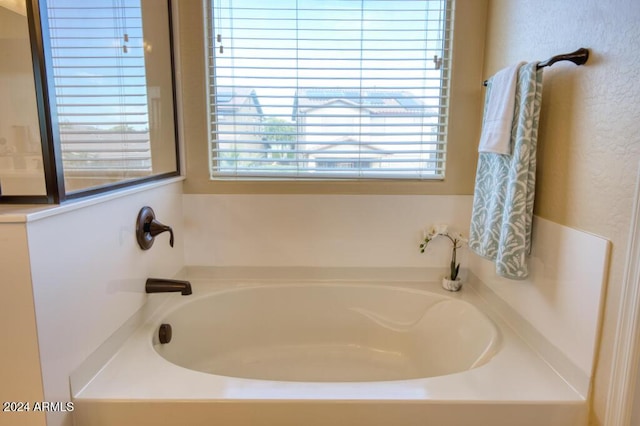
<point x="147" y="228"/>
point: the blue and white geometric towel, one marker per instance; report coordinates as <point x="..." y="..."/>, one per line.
<point x="505" y="186"/>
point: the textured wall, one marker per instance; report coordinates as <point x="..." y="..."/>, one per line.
<point x="589" y="141"/>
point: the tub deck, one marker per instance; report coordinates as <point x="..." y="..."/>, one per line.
<point x="139" y="387"/>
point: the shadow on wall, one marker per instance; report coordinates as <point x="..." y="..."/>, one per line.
<point x="555" y="143"/>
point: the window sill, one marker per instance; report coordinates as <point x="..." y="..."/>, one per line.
<point x="347" y="187"/>
<point x="29" y="213"/>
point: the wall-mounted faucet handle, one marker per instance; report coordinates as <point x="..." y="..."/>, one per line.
<point x="154" y="228"/>
<point x="147" y="228"/>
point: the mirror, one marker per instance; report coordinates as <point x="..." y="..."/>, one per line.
<point x="112" y="73"/>
<point x="105" y="96"/>
<point x="21" y="167"/>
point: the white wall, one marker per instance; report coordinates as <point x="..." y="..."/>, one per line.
<point x="561" y="297"/>
<point x="319" y="230"/>
<point x="88" y="277"/>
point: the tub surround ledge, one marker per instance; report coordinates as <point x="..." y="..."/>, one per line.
<point x="137" y="380"/>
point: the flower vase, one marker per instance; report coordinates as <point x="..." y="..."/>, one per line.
<point x="451" y="285"/>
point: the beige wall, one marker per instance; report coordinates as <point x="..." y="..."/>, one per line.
<point x="21" y="171"/>
<point x="159" y="86"/>
<point x="20" y="375"/>
<point x="589" y="129"/>
<point x="464" y="121"/>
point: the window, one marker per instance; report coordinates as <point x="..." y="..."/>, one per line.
<point x="328" y="88"/>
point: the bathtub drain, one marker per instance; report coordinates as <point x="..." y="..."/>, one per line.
<point x="164" y="334"/>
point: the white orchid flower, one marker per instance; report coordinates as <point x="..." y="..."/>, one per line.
<point x="460" y="238"/>
<point x="457" y="240"/>
<point x="430" y="233"/>
<point x="441" y="229"/>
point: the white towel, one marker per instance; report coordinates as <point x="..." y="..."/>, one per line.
<point x="498" y="114"/>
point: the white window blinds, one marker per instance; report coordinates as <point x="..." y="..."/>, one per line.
<point x="100" y="86"/>
<point x="328" y="88"/>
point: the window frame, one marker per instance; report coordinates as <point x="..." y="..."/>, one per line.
<point x="356" y="174"/>
<point x="465" y="117"/>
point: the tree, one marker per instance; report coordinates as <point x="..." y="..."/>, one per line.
<point x="277" y="130"/>
<point x="280" y="136"/>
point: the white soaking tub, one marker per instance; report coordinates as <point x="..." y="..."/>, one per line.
<point x="329" y="333"/>
<point x="304" y="352"/>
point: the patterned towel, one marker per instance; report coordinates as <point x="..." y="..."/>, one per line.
<point x="505" y="186"/>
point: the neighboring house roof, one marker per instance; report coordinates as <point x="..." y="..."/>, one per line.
<point x="228" y="102"/>
<point x="350" y="141"/>
<point x="387" y="102"/>
<point x="78" y="133"/>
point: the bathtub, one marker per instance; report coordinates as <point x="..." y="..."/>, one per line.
<point x="329" y="333"/>
<point x="308" y="352"/>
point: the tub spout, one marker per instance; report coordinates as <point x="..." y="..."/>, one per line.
<point x="159" y="285"/>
